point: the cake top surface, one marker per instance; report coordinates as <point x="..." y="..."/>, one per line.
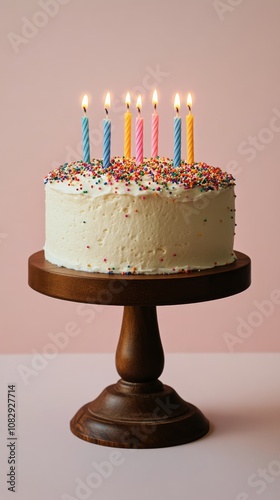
<point x="123" y="176"/>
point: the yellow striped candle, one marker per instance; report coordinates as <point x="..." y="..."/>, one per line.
<point x="127" y="128"/>
<point x="189" y="127"/>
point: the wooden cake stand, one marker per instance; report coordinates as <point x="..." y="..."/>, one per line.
<point x="139" y="411"/>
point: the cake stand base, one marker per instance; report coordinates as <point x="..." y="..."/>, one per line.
<point x="139" y="416"/>
<point x="139" y="411"/>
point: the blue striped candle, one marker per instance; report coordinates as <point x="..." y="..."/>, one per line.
<point x="85" y="131"/>
<point x="177" y="142"/>
<point x="107" y="134"/>
<point x="106" y="142"/>
<point x="177" y="134"/>
<point x="85" y="138"/>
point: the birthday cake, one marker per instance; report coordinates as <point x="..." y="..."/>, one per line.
<point x="150" y="218"/>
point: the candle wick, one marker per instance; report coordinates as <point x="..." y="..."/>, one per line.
<point x="190" y="109"/>
<point x="127" y="106"/>
<point x="177" y="111"/>
<point x="155" y="107"/>
<point x="85" y="110"/>
<point x="106" y="111"/>
<point x="139" y="111"/>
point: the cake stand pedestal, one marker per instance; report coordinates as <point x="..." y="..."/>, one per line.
<point x="139" y="411"/>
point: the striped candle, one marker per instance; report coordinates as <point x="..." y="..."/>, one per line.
<point x="85" y="131"/>
<point x="177" y="133"/>
<point x="127" y="128"/>
<point x="189" y="128"/>
<point x="155" y="123"/>
<point x="106" y="135"/>
<point x="139" y="133"/>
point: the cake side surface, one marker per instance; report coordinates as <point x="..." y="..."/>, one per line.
<point x="147" y="219"/>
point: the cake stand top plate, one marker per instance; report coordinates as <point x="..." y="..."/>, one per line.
<point x="144" y="290"/>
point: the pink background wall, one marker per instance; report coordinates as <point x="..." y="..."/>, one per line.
<point x="227" y="54"/>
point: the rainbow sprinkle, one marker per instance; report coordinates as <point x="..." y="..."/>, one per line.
<point x="154" y="174"/>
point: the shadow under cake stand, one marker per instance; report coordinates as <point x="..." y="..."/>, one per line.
<point x="139" y="411"/>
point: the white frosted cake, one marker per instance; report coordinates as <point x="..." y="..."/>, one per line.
<point x="147" y="219"/>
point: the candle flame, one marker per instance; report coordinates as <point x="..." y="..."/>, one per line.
<point x="189" y="101"/>
<point x="127" y="99"/>
<point x="139" y="103"/>
<point x="107" y="101"/>
<point x="177" y="102"/>
<point x="155" y="98"/>
<point x="85" y="103"/>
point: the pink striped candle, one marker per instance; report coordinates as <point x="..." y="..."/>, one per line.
<point x="155" y="123"/>
<point x="139" y="133"/>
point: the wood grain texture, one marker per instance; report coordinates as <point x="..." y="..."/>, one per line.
<point x="125" y="416"/>
<point x="139" y="356"/>
<point x="139" y="411"/>
<point x="117" y="289"/>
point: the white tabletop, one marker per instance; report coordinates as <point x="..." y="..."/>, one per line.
<point x="238" y="460"/>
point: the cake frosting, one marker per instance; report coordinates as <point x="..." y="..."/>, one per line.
<point x="151" y="218"/>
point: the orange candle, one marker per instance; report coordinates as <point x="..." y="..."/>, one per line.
<point x="189" y="127"/>
<point x="127" y="128"/>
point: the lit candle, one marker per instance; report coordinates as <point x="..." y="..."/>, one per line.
<point x="155" y="122"/>
<point x="107" y="134"/>
<point x="127" y="128"/>
<point x="139" y="133"/>
<point x="85" y="131"/>
<point x="189" y="128"/>
<point x="177" y="133"/>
